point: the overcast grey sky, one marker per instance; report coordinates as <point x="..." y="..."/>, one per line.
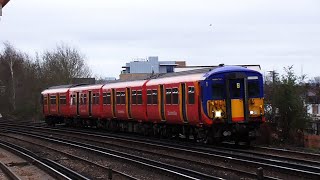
<point x="271" y="33"/>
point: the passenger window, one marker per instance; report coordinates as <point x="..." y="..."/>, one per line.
<point x="254" y="89"/>
<point x="95" y="99"/>
<point x="139" y="97"/>
<point x="175" y="96"/>
<point x="53" y="100"/>
<point x="85" y="99"/>
<point x="123" y="98"/>
<point x="109" y="98"/>
<point x="63" y="100"/>
<point x="118" y="98"/>
<point x="154" y="96"/>
<point x="104" y="98"/>
<point x="149" y="97"/>
<point x="74" y="99"/>
<point x="217" y="91"/>
<point x="168" y="96"/>
<point x="191" y="99"/>
<point x="134" y="97"/>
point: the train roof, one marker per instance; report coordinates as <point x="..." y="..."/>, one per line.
<point x="125" y="84"/>
<point x="176" y="79"/>
<point x="87" y="87"/>
<point x="60" y="88"/>
<point x="56" y="90"/>
<point x="226" y="69"/>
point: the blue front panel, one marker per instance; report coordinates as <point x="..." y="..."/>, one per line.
<point x="213" y="87"/>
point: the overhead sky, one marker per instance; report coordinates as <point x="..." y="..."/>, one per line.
<point x="272" y="33"/>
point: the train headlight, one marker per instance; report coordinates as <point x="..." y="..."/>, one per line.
<point x="218" y="114"/>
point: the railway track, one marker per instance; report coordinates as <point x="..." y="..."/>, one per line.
<point x="52" y="168"/>
<point x="288" y="153"/>
<point x="170" y="170"/>
<point x="8" y="173"/>
<point x="303" y="169"/>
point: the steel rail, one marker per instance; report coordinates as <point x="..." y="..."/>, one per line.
<point x="6" y="170"/>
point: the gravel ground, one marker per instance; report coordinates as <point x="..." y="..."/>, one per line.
<point x="22" y="168"/>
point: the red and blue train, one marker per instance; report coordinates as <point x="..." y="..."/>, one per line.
<point x="223" y="103"/>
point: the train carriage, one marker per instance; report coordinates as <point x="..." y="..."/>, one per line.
<point x="174" y="100"/>
<point x="85" y="101"/>
<point x="126" y="101"/>
<point x="56" y="103"/>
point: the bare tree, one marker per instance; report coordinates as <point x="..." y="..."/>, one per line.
<point x="64" y="63"/>
<point x="11" y="61"/>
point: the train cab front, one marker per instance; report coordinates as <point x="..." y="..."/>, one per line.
<point x="232" y="98"/>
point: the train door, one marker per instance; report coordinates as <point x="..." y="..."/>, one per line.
<point x="161" y="93"/>
<point x="183" y="102"/>
<point x="129" y="102"/>
<point x="237" y="98"/>
<point x="78" y="104"/>
<point x="90" y="103"/>
<point x="113" y="94"/>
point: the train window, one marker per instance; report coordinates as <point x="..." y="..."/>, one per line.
<point x="52" y="99"/>
<point x="168" y="96"/>
<point x="254" y="89"/>
<point x="95" y="99"/>
<point x="123" y="98"/>
<point x="149" y="97"/>
<point x="85" y="99"/>
<point x="71" y="100"/>
<point x="191" y="95"/>
<point x="118" y="98"/>
<point x="108" y="98"/>
<point x="74" y="99"/>
<point x="63" y="100"/>
<point x="139" y="97"/>
<point x="104" y="98"/>
<point x="217" y="91"/>
<point x="134" y="97"/>
<point x="81" y="99"/>
<point x="235" y="90"/>
<point x="175" y="96"/>
<point x="154" y="96"/>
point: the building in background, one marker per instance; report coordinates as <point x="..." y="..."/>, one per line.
<point x="142" y="68"/>
<point x="145" y="68"/>
<point x="2" y="4"/>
